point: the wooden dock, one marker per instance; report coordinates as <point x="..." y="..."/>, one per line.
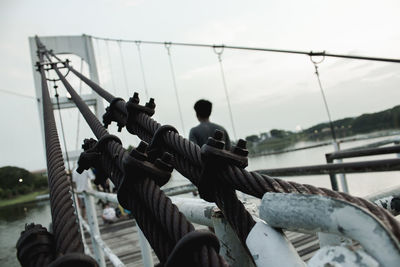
<point x="122" y="238"/>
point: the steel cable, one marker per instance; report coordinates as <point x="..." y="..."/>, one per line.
<point x="65" y="227"/>
<point x="252" y="183"/>
<point x="175" y="224"/>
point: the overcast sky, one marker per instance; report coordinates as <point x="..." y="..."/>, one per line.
<point x="266" y="90"/>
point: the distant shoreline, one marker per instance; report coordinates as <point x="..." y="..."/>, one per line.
<point x="27" y="198"/>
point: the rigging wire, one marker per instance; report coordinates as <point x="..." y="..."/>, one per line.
<point x="100" y="67"/>
<point x="123" y="69"/>
<point x="79" y="115"/>
<point x="142" y="69"/>
<point x="219" y="54"/>
<point x="111" y="69"/>
<point x="17" y="94"/>
<point x="310" y="53"/>
<point x="168" y="46"/>
<point x="323" y="96"/>
<point x="62" y="126"/>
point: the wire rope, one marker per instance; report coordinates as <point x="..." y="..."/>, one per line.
<point x="111" y="68"/>
<point x="308" y="53"/>
<point x="142" y="69"/>
<point x="17" y="94"/>
<point x="168" y="46"/>
<point x="98" y="57"/>
<point x="323" y="96"/>
<point x="79" y="115"/>
<point x="62" y="127"/>
<point x="123" y="69"/>
<point x="219" y="54"/>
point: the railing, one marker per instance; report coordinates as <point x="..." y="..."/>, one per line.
<point x="352" y="167"/>
<point x="274" y="241"/>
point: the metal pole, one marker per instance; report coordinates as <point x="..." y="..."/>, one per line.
<point x="145" y="249"/>
<point x="342" y="176"/>
<point x="94" y="228"/>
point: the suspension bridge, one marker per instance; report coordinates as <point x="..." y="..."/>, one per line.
<point x="241" y="237"/>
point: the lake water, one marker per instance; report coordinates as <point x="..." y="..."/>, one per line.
<point x="13" y="219"/>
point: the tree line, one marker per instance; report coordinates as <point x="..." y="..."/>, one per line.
<point x="278" y="139"/>
<point x="16" y="181"/>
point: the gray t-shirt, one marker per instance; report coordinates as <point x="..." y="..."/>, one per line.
<point x="201" y="132"/>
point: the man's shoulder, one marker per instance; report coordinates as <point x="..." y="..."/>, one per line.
<point x="217" y="126"/>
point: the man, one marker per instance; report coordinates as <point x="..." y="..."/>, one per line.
<point x="205" y="129"/>
<point x="109" y="215"/>
<point x="81" y="182"/>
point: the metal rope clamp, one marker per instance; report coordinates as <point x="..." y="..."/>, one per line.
<point x="115" y="114"/>
<point x="34" y="241"/>
<point x="215" y="160"/>
<point x="91" y="157"/>
<point x="137" y="167"/>
<point x="154" y="150"/>
<point x="133" y="109"/>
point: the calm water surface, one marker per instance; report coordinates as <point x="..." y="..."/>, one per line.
<point x="13" y="219"/>
<point x="12" y="222"/>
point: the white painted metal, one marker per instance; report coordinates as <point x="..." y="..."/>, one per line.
<point x="80" y="222"/>
<point x="66" y="102"/>
<point x="326" y="239"/>
<point x="94" y="228"/>
<point x="144" y="244"/>
<point x="341" y="256"/>
<point x="196" y="210"/>
<point x="110" y="255"/>
<point x="145" y="250"/>
<point x="312" y="213"/>
<point x="342" y="176"/>
<point x="385" y="198"/>
<point x="231" y="248"/>
<point x="270" y="247"/>
<point x="81" y="46"/>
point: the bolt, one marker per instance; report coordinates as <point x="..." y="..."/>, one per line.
<point x="151" y="103"/>
<point x="165" y="162"/>
<point x="142" y="147"/>
<point x="135" y="98"/>
<point x="216" y="141"/>
<point x="241" y="144"/>
<point x="167" y="158"/>
<point x="240" y="148"/>
<point x="218" y="135"/>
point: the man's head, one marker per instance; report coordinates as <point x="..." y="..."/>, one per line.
<point x="203" y="109"/>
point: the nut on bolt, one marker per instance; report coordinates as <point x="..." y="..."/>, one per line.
<point x="140" y="151"/>
<point x="151" y="104"/>
<point x="216" y="141"/>
<point x="240" y="148"/>
<point x="135" y="98"/>
<point x="165" y="162"/>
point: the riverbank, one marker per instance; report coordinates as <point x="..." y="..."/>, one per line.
<point x="31" y="197"/>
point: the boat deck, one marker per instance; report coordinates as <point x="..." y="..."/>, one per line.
<point x="122" y="238"/>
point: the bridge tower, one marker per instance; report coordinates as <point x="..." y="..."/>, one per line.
<point x="81" y="46"/>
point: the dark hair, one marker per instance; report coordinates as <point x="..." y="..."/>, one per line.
<point x="203" y="108"/>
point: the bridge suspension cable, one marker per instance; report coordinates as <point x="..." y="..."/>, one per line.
<point x="123" y="69"/>
<point x="145" y="198"/>
<point x="219" y="54"/>
<point x="307" y="53"/>
<point x="188" y="161"/>
<point x="168" y="47"/>
<point x="111" y="68"/>
<point x="142" y="69"/>
<point x="161" y="221"/>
